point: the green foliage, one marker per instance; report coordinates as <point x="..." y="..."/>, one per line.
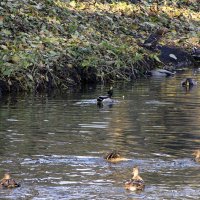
<point x="53" y="34"/>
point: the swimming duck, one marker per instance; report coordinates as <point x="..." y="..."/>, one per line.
<point x="188" y="82"/>
<point x="197" y="155"/>
<point x="136" y="183"/>
<point x="160" y="73"/>
<point x="114" y="157"/>
<point x="8" y="182"/>
<point x="106" y="98"/>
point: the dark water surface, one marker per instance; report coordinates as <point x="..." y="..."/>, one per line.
<point x="55" y="145"/>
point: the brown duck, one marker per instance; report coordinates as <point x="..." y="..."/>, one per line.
<point x="114" y="157"/>
<point x="8" y="182"/>
<point x="197" y="155"/>
<point x="136" y="183"/>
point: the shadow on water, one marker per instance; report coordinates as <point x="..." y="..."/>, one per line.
<point x="55" y="145"/>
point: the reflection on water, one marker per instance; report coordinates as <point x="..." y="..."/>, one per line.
<point x="55" y="145"/>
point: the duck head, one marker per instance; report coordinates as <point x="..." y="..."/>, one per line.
<point x="135" y="174"/>
<point x="6" y="176"/>
<point x="110" y="92"/>
<point x="135" y="171"/>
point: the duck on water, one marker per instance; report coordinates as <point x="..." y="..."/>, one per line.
<point x="8" y="182"/>
<point x="114" y="157"/>
<point x="188" y="82"/>
<point x="136" y="183"/>
<point x="196" y="153"/>
<point x="107" y="99"/>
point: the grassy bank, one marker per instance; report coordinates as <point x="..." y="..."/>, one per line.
<point x="54" y="43"/>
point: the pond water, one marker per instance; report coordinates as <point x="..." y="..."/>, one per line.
<point x="54" y="146"/>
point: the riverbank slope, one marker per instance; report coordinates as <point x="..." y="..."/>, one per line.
<point x="60" y="44"/>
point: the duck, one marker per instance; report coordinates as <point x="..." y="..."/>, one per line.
<point x="188" y="82"/>
<point x="152" y="41"/>
<point x="106" y="98"/>
<point x="8" y="182"/>
<point x="136" y="183"/>
<point x="114" y="157"/>
<point x="196" y="153"/>
<point x="160" y="73"/>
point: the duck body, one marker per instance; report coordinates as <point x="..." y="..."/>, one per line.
<point x="134" y="185"/>
<point x="188" y="82"/>
<point x="106" y="98"/>
<point x="151" y="42"/>
<point x="102" y="99"/>
<point x="160" y="73"/>
<point x="8" y="182"/>
<point x="197" y="155"/>
<point x="114" y="157"/>
<point x="136" y="182"/>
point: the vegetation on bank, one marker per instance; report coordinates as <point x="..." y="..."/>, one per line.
<point x="61" y="43"/>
